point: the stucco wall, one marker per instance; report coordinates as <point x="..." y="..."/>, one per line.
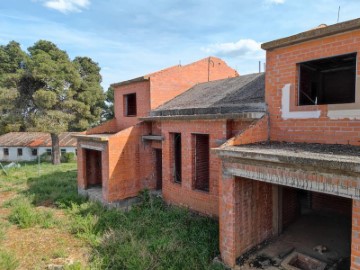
<point x="27" y="155"/>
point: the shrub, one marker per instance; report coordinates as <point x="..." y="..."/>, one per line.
<point x="25" y="215"/>
<point x="68" y="157"/>
<point x="45" y="157"/>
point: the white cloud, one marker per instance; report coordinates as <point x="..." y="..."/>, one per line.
<point x="66" y="6"/>
<point x="248" y="48"/>
<point x="277" y="2"/>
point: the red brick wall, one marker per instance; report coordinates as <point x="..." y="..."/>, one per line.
<point x="106" y="127"/>
<point x="184" y="194"/>
<point x="331" y="203"/>
<point x="131" y="163"/>
<point x="254" y="208"/>
<point x="142" y="90"/>
<point x="235" y="127"/>
<point x="81" y="160"/>
<point x="165" y="85"/>
<point x="281" y="69"/>
<point x="171" y="82"/>
<point x="256" y="131"/>
<point x="290" y="206"/>
<point x="355" y="236"/>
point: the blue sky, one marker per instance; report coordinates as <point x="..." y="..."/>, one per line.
<point x="132" y="38"/>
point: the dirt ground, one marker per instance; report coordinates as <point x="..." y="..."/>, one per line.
<point x="40" y="248"/>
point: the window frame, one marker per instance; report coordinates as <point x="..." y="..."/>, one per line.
<point x="6" y="152"/>
<point x="20" y="152"/>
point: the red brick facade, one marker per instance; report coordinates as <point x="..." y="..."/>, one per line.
<point x="282" y="69"/>
<point x="243" y="194"/>
<point x="326" y="124"/>
<point x="128" y="162"/>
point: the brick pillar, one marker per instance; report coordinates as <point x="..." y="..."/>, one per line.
<point x="81" y="167"/>
<point x="228" y="219"/>
<point x="355" y="238"/>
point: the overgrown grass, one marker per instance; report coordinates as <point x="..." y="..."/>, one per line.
<point x="8" y="261"/>
<point x="151" y="235"/>
<point x="25" y="215"/>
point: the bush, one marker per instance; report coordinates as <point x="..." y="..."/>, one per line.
<point x="68" y="157"/>
<point x="25" y="215"/>
<point x="45" y="157"/>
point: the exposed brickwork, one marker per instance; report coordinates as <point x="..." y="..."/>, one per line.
<point x="81" y="160"/>
<point x="164" y="85"/>
<point x="245" y="216"/>
<point x="131" y="163"/>
<point x="256" y="132"/>
<point x="106" y="127"/>
<point x="171" y="82"/>
<point x="355" y="236"/>
<point x="128" y="163"/>
<point x="184" y="194"/>
<point x="290" y="206"/>
<point x="331" y="203"/>
<point x="142" y="90"/>
<point x="281" y="69"/>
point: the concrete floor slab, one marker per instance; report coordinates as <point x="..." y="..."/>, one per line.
<point x="309" y="231"/>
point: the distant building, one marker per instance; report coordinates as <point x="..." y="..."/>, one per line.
<point x="27" y="146"/>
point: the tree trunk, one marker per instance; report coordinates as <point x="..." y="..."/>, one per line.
<point x="55" y="149"/>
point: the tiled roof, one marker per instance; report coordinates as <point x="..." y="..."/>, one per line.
<point x="233" y="95"/>
<point x="36" y="139"/>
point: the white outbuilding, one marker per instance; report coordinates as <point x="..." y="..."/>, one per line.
<point x="27" y="146"/>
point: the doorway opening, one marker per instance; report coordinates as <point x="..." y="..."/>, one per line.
<point x="93" y="168"/>
<point x="158" y="169"/>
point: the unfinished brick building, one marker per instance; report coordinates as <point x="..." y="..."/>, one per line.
<point x="122" y="157"/>
<point x="285" y="148"/>
<point x="301" y="161"/>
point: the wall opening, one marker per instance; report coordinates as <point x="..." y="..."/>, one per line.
<point x="34" y="152"/>
<point x="316" y="224"/>
<point x="93" y="168"/>
<point x="19" y="152"/>
<point x="201" y="155"/>
<point x="303" y="222"/>
<point x="130" y="104"/>
<point x="6" y="151"/>
<point x="158" y="170"/>
<point x="176" y="156"/>
<point x="328" y="80"/>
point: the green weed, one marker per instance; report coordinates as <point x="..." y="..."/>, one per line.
<point x="25" y="215"/>
<point x="8" y="261"/>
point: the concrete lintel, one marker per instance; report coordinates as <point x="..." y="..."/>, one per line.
<point x="248" y="116"/>
<point x="152" y="138"/>
<point x="347" y="168"/>
<point x="97" y="138"/>
<point x="295" y="182"/>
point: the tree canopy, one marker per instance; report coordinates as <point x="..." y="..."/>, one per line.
<point x="43" y="90"/>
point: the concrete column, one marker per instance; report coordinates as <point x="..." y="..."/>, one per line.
<point x="355" y="237"/>
<point x="227" y="219"/>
